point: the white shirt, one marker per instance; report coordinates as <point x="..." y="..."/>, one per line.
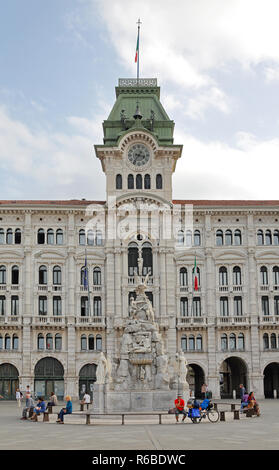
<point x="86" y="398"/>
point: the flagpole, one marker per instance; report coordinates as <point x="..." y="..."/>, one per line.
<point x="138" y="23"/>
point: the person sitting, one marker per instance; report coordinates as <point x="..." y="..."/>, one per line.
<point x="179" y="408"/>
<point x="29" y="407"/>
<point x="244" y="402"/>
<point x="252" y="403"/>
<point x="40" y="408"/>
<point x="65" y="411"/>
<point x="52" y="400"/>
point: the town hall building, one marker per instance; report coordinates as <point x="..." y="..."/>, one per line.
<point x="68" y="270"/>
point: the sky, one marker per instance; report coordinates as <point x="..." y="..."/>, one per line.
<point x="216" y="62"/>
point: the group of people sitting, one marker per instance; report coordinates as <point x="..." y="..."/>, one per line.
<point x="248" y="401"/>
<point x="41" y="407"/>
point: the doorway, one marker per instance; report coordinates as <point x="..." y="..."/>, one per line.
<point x="8" y="381"/>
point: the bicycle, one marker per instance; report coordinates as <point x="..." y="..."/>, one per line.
<point x="210" y="413"/>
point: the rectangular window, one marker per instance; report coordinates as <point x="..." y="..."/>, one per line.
<point x="14" y="305"/>
<point x="224" y="306"/>
<point x="97" y="305"/>
<point x="2" y="304"/>
<point x="276" y="305"/>
<point x="196" y="307"/>
<point x="57" y="306"/>
<point x="84" y="306"/>
<point x="265" y="305"/>
<point x="237" y="301"/>
<point x="42" y="305"/>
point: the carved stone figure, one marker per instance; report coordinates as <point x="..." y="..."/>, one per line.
<point x="101" y="369"/>
<point x="181" y="367"/>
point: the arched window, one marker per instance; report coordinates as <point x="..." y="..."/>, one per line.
<point x="183" y="277"/>
<point x="138" y="181"/>
<point x="159" y="182"/>
<point x="59" y="236"/>
<point x="219" y="238"/>
<point x="240" y="342"/>
<point x="40" y="342"/>
<point x="188" y="238"/>
<point x="260" y="237"/>
<point x="99" y="343"/>
<point x="97" y="280"/>
<point x="81" y="236"/>
<point x="131" y="183"/>
<point x="197" y="238"/>
<point x="236" y="276"/>
<point x="224" y="306"/>
<point x="118" y="181"/>
<point x="90" y="237"/>
<point x="41" y="236"/>
<point x="237" y="237"/>
<point x="97" y="306"/>
<point x="147" y="182"/>
<point x="15" y="342"/>
<point x="42" y="275"/>
<point x="147" y="259"/>
<point x="184" y="343"/>
<point x="268" y="237"/>
<point x="199" y="343"/>
<point x="7" y="342"/>
<point x="180" y="237"/>
<point x="58" y="342"/>
<point x="9" y="236"/>
<point x="2" y="236"/>
<point x="232" y="342"/>
<point x="275" y="271"/>
<point x="223" y="276"/>
<point x="133" y="254"/>
<point x="266" y="341"/>
<point x="228" y="237"/>
<point x="91" y="342"/>
<point x="49" y="341"/>
<point x="18" y="236"/>
<point x="273" y="341"/>
<point x="191" y="343"/>
<point x="224" y="342"/>
<point x="57" y="275"/>
<point x="83" y="341"/>
<point x="3" y="272"/>
<point x="183" y="307"/>
<point x="99" y="238"/>
<point x="276" y="237"/>
<point x="264" y="276"/>
<point x="50" y="236"/>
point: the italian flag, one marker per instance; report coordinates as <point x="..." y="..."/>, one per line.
<point x="137" y="49"/>
<point x="196" y="286"/>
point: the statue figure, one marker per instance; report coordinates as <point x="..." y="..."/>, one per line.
<point x="162" y="376"/>
<point x="101" y="369"/>
<point x="181" y="367"/>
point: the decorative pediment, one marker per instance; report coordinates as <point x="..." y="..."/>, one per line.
<point x="188" y="256"/>
<point x="230" y="255"/>
<point x="267" y="255"/>
<point x="49" y="255"/>
<point x="11" y="254"/>
<point x="94" y="255"/>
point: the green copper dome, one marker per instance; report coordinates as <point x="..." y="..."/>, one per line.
<point x="143" y="98"/>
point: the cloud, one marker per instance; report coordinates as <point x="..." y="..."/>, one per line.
<point x="50" y="164"/>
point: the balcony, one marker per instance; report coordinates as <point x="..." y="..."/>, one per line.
<point x="269" y="320"/>
<point x="91" y="289"/>
<point x="10" y="320"/>
<point x="233" y="320"/>
<point x="133" y="280"/>
<point x="46" y="320"/>
<point x="184" y="322"/>
<point x="97" y="321"/>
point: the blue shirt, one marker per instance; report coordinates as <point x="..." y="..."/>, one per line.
<point x="69" y="407"/>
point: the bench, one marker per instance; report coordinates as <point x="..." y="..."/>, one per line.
<point x="83" y="404"/>
<point x="88" y="415"/>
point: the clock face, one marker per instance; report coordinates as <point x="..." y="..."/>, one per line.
<point x="138" y="155"/>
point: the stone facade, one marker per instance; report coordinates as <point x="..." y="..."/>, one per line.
<point x="228" y="328"/>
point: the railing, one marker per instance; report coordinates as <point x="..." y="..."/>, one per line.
<point x="49" y="320"/>
<point x="88" y="320"/>
<point x="133" y="280"/>
<point x="183" y="321"/>
<point x="91" y="288"/>
<point x="143" y="82"/>
<point x="233" y="320"/>
<point x="269" y="319"/>
<point x="11" y="319"/>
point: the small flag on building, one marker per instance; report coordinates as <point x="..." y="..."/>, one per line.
<point x="196" y="284"/>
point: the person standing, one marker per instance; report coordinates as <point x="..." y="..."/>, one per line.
<point x="86" y="399"/>
<point x="203" y="390"/>
<point x="27" y="394"/>
<point x="18" y="397"/>
<point x="242" y="391"/>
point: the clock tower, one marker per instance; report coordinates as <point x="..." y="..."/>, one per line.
<point x="138" y="155"/>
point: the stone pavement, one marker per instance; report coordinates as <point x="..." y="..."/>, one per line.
<point x="142" y="433"/>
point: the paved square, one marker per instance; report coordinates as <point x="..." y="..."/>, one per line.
<point x="142" y="433"/>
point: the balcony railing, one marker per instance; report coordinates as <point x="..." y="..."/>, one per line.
<point x="191" y="321"/>
<point x="271" y="319"/>
<point x="12" y="319"/>
<point x="233" y="320"/>
<point x="49" y="320"/>
<point x="90" y="321"/>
